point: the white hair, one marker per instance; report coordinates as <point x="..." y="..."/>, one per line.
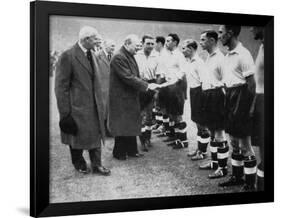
<point x="108" y="42"/>
<point x="87" y="31"/>
<point x="99" y="36"/>
<point x="130" y="38"/>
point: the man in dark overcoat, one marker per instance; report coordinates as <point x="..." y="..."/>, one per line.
<point x="79" y="100"/>
<point x="124" y="120"/>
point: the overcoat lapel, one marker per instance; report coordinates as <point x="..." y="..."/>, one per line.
<point x="80" y="56"/>
<point x="132" y="60"/>
<point x="104" y="58"/>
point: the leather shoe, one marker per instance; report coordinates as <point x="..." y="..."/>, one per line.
<point x="120" y="157"/>
<point x="101" y="170"/>
<point x="81" y="168"/>
<point x="136" y="155"/>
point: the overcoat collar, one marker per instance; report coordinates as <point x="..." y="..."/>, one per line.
<point x="130" y="57"/>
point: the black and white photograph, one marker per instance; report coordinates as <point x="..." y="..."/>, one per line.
<point x="138" y="109"/>
<point x="142" y="109"/>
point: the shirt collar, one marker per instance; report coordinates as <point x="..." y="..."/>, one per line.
<point x="195" y="58"/>
<point x="237" y="49"/>
<point x="152" y="54"/>
<point x="82" y="48"/>
<point x="172" y="52"/>
<point x="214" y="52"/>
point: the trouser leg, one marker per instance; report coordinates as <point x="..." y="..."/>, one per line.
<point x="119" y="149"/>
<point x="131" y="145"/>
<point x="95" y="156"/>
<point x="76" y="156"/>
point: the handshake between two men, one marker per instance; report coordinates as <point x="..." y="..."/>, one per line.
<point x="153" y="86"/>
<point x="156" y="87"/>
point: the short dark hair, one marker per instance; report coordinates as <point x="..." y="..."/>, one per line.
<point x="175" y="37"/>
<point x="146" y="37"/>
<point x="160" y="39"/>
<point x="235" y="29"/>
<point x="211" y="34"/>
<point x="191" y="43"/>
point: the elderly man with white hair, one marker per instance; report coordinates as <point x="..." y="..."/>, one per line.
<point x="79" y="101"/>
<point x="124" y="120"/>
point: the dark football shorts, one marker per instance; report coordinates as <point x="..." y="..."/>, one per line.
<point x="172" y="98"/>
<point x="213" y="108"/>
<point x="238" y="111"/>
<point x="196" y="104"/>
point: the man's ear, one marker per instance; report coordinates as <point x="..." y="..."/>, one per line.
<point x="230" y="33"/>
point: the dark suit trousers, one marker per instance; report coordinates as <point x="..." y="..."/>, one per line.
<point x="125" y="145"/>
<point x="78" y="159"/>
<point x="95" y="157"/>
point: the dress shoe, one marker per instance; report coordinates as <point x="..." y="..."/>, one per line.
<point x="209" y="166"/>
<point x="120" y="157"/>
<point x="81" y="168"/>
<point x="101" y="170"/>
<point x="136" y="155"/>
<point x="232" y="181"/>
<point x="219" y="173"/>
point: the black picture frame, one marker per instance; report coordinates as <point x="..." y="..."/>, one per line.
<point x="39" y="108"/>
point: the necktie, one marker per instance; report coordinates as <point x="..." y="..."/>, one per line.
<point x="109" y="57"/>
<point x="90" y="59"/>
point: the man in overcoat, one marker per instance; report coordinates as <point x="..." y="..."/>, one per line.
<point x="104" y="57"/>
<point x="79" y="100"/>
<point x="124" y="118"/>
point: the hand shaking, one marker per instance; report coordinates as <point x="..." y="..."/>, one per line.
<point x="153" y="86"/>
